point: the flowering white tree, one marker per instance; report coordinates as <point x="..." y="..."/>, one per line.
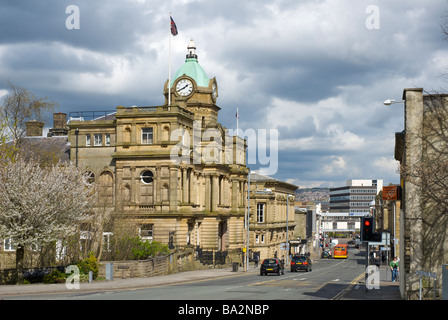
<point x="41" y="204"/>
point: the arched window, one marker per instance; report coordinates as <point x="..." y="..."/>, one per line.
<point x="89" y="178"/>
<point x="147" y="187"/>
<point x="106" y="186"/>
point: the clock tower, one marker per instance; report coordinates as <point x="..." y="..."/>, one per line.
<point x="191" y="89"/>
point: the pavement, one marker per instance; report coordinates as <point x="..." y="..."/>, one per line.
<point x="387" y="290"/>
<point x="121" y="284"/>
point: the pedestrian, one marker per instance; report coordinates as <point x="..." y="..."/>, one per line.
<point x="256" y="261"/>
<point x="394" y="266"/>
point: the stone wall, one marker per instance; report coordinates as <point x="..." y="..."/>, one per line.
<point x="174" y="263"/>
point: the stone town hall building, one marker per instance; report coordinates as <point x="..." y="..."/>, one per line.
<point x="135" y="153"/>
<point x="173" y="172"/>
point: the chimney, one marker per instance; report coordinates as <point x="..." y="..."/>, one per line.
<point x="34" y="128"/>
<point x="59" y="120"/>
<point x="59" y="125"/>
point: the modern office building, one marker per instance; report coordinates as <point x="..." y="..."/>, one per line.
<point x="356" y="197"/>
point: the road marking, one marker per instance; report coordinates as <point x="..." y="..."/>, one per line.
<point x="355" y="281"/>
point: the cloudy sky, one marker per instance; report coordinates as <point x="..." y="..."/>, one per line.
<point x="317" y="71"/>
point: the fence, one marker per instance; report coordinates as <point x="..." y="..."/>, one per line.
<point x="177" y="262"/>
<point x="32" y="275"/>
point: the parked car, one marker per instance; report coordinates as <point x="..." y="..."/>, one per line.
<point x="272" y="265"/>
<point x="326" y="254"/>
<point x="301" y="262"/>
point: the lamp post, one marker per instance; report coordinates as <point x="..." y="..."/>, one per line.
<point x="389" y="102"/>
<point x="247" y="221"/>
<point x="77" y="134"/>
<point x="287" y="228"/>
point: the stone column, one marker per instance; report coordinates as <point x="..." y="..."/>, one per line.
<point x="174" y="171"/>
<point x="412" y="196"/>
<point x="215" y="192"/>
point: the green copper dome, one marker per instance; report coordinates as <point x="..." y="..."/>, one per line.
<point x="192" y="68"/>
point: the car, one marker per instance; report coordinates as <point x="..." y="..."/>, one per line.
<point x="326" y="254"/>
<point x="272" y="265"/>
<point x="301" y="262"/>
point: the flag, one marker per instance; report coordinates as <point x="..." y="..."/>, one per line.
<point x="237" y="114"/>
<point x="173" y="27"/>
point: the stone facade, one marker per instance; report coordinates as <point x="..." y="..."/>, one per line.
<point x="272" y="222"/>
<point x="172" y="169"/>
<point x="172" y="173"/>
<point x="423" y="217"/>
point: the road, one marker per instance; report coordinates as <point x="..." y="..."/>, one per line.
<point x="329" y="279"/>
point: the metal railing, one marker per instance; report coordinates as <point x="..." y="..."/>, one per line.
<point x="92" y="115"/>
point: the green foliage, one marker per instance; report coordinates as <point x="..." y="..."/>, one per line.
<point x="55" y="276"/>
<point x="89" y="264"/>
<point x="142" y="249"/>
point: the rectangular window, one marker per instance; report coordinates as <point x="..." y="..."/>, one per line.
<point x="98" y="139"/>
<point x="8" y="245"/>
<point x="107" y="139"/>
<point x="260" y="212"/>
<point x="146" y="135"/>
<point x="88" y="141"/>
<point x="146" y="231"/>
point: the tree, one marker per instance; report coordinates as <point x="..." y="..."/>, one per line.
<point x="20" y="106"/>
<point x="39" y="205"/>
<point x="7" y="151"/>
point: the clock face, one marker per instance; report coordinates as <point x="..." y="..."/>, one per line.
<point x="184" y="87"/>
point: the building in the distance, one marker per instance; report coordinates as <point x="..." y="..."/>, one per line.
<point x="356" y="197"/>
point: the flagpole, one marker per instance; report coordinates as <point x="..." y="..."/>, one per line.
<point x="169" y="66"/>
<point x="237" y="120"/>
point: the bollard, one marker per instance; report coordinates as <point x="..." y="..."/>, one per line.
<point x="90" y="276"/>
<point x="109" y="271"/>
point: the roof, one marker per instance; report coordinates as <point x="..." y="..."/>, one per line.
<point x="47" y="149"/>
<point x="192" y="68"/>
<point x="255" y="177"/>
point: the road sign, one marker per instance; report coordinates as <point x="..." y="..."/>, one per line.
<point x="426" y="274"/>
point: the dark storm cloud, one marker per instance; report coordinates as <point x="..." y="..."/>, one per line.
<point x="310" y="69"/>
<point x="105" y="26"/>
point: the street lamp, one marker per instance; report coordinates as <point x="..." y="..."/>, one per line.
<point x="287" y="228"/>
<point x="77" y="134"/>
<point x="247" y="215"/>
<point x="388" y="102"/>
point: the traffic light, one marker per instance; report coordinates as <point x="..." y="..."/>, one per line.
<point x="366" y="228"/>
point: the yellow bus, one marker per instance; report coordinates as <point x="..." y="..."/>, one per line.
<point x="341" y="251"/>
